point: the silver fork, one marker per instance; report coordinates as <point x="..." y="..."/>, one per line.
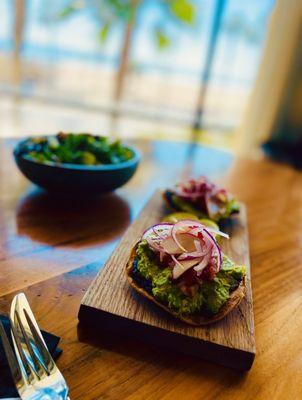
<point x="12" y="360"/>
<point x="38" y="377"/>
<point x="17" y="373"/>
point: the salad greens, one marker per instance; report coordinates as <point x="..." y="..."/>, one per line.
<point x="82" y="148"/>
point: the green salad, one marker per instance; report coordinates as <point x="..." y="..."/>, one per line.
<point x="82" y="148"/>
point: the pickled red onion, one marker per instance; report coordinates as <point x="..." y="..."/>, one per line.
<point x="188" y="243"/>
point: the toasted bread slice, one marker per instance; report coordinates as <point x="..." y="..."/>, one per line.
<point x="234" y="299"/>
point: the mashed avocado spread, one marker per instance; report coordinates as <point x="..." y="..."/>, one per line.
<point x="180" y="204"/>
<point x="211" y="295"/>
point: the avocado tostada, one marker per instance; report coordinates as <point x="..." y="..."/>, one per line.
<point x="182" y="269"/>
<point x="202" y="198"/>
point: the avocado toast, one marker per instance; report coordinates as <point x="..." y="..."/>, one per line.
<point x="202" y="198"/>
<point x="180" y="267"/>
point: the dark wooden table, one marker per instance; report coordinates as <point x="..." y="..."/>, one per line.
<point x="52" y="247"/>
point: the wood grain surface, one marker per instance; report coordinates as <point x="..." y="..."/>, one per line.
<point x="52" y="249"/>
<point x="112" y="304"/>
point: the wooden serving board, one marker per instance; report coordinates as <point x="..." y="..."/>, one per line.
<point x="112" y="304"/>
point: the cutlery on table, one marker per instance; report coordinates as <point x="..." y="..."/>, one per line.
<point x="34" y="372"/>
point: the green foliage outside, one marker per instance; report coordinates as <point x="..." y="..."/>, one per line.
<point x="110" y="13"/>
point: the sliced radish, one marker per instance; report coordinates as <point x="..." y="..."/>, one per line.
<point x="200" y="252"/>
<point x="170" y="246"/>
<point x="201" y="266"/>
<point x="184" y="241"/>
<point x="181" y="267"/>
<point x="183" y="227"/>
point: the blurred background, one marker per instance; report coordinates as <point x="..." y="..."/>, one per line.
<point x="215" y="72"/>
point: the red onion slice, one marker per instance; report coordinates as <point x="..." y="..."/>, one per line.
<point x="165" y="226"/>
<point x="189" y="243"/>
<point x="201" y="266"/>
<point x="217" y="248"/>
<point x="206" y="202"/>
<point x="187" y="195"/>
<point x="219" y="233"/>
<point x="154" y="245"/>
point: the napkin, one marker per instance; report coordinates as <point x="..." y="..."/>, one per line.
<point x="7" y="387"/>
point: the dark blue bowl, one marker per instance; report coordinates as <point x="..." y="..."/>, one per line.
<point x="73" y="178"/>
